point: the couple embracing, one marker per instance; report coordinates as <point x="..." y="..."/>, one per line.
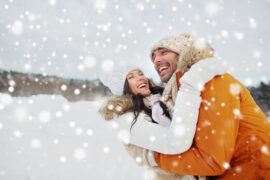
<point x="203" y="124"/>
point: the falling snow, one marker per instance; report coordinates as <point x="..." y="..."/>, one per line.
<point x="87" y="39"/>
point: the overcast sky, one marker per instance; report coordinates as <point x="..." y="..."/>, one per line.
<point x="84" y="39"/>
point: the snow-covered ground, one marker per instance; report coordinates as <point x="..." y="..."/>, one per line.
<point x="46" y="137"/>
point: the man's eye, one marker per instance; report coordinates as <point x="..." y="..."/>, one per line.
<point x="163" y="52"/>
<point x="153" y="57"/>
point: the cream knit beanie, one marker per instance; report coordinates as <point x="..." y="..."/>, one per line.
<point x="174" y="43"/>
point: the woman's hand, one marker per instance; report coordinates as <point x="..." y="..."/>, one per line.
<point x="159" y="116"/>
<point x="150" y="101"/>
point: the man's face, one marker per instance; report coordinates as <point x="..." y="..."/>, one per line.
<point x="165" y="63"/>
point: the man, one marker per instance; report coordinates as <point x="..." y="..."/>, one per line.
<point x="232" y="139"/>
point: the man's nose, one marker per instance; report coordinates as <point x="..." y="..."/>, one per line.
<point x="157" y="59"/>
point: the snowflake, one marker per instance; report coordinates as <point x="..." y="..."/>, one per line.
<point x="77" y="91"/>
<point x="226" y="165"/>
<point x="238" y="35"/>
<point x="21" y="113"/>
<point x="224" y="33"/>
<point x="150" y="174"/>
<point x="79" y="131"/>
<point x="66" y="107"/>
<point x="58" y="114"/>
<point x="149" y="30"/>
<point x="5" y="99"/>
<point x="110" y="106"/>
<point x="152" y="138"/>
<point x="16" y="43"/>
<point x="27" y="66"/>
<point x="248" y="82"/>
<point x="265" y="150"/>
<point x="123" y="135"/>
<point x="90" y="61"/>
<point x="100" y="4"/>
<point x="72" y="124"/>
<point x="106" y="149"/>
<point x="235" y="89"/>
<point x="17" y="28"/>
<point x="107" y="65"/>
<point x="63" y="159"/>
<point x="118" y="108"/>
<point x="114" y="124"/>
<point x="256" y="54"/>
<point x="63" y="87"/>
<point x="238" y="169"/>
<point x="89" y="132"/>
<point x="35" y="143"/>
<point x="259" y="64"/>
<point x="175" y="163"/>
<point x="44" y="116"/>
<point x="252" y="23"/>
<point x="85" y="144"/>
<point x="138" y="159"/>
<point x="52" y="2"/>
<point x="140" y="6"/>
<point x="55" y="141"/>
<point x="211" y="9"/>
<point x="179" y="130"/>
<point x="206" y="123"/>
<point x="31" y="17"/>
<point x="79" y="154"/>
<point x="18" y="133"/>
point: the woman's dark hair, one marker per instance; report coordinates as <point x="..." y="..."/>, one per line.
<point x="138" y="104"/>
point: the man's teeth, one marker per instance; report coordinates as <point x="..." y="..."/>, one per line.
<point x="163" y="68"/>
<point x="142" y="85"/>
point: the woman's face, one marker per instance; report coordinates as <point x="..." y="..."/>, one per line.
<point x="138" y="83"/>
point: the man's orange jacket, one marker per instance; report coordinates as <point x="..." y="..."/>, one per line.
<point x="232" y="139"/>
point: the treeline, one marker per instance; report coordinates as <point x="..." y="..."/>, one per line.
<point x="20" y="84"/>
<point x="261" y="95"/>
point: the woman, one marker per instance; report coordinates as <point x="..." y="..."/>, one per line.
<point x="139" y="97"/>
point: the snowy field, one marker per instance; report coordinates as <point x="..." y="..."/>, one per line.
<point x="46" y="137"/>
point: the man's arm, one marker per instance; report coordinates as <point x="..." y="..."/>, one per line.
<point x="215" y="137"/>
<point x="179" y="136"/>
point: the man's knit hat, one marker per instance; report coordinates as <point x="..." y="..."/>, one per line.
<point x="174" y="43"/>
<point x="115" y="80"/>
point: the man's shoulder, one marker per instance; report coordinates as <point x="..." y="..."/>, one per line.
<point x="224" y="79"/>
<point x="223" y="86"/>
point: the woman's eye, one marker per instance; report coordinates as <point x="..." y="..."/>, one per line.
<point x="130" y="77"/>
